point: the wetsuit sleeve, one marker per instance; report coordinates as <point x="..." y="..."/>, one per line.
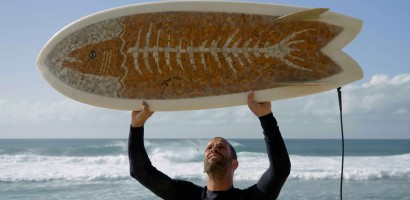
<point x="142" y="170"/>
<point x="275" y="176"/>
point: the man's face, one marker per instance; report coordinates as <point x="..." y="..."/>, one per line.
<point x="218" y="157"/>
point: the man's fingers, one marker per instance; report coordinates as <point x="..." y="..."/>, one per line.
<point x="251" y="97"/>
<point x="139" y="117"/>
<point x="134" y="113"/>
<point x="259" y="109"/>
<point x="145" y="107"/>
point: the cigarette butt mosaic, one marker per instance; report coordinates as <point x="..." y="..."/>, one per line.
<point x="174" y="55"/>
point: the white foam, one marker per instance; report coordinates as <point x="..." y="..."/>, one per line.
<point x="35" y="168"/>
<point x="187" y="165"/>
<point x="235" y="144"/>
<point x="122" y="144"/>
<point x="355" y="168"/>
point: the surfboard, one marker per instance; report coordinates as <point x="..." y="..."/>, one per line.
<point x="186" y="55"/>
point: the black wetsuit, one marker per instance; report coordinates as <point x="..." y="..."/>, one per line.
<point x="268" y="186"/>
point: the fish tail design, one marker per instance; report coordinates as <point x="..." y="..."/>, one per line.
<point x="283" y="50"/>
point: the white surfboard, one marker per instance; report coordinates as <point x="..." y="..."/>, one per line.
<point x="185" y="55"/>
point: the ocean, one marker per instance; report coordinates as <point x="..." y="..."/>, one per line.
<point x="98" y="168"/>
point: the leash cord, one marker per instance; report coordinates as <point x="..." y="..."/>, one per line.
<point x="339" y="92"/>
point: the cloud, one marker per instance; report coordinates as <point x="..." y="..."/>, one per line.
<point x="66" y="111"/>
<point x="377" y="108"/>
<point x="62" y="119"/>
<point x="381" y="104"/>
<point x="381" y="99"/>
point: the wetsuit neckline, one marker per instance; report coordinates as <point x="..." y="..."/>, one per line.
<point x="208" y="194"/>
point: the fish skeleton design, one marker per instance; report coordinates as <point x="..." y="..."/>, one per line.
<point x="280" y="50"/>
<point x="174" y="55"/>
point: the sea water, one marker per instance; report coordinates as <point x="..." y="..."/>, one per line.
<point x="99" y="168"/>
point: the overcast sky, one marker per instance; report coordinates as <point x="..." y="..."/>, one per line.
<point x="378" y="106"/>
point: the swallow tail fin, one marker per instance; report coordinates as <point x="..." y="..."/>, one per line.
<point x="303" y="15"/>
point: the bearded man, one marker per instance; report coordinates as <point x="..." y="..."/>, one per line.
<point x="220" y="163"/>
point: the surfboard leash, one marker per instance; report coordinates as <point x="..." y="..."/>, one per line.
<point x="339" y="92"/>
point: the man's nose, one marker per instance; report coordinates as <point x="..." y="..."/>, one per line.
<point x="214" y="149"/>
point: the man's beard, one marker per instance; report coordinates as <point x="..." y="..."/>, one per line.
<point x="217" y="169"/>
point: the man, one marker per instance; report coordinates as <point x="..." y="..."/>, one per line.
<point x="220" y="162"/>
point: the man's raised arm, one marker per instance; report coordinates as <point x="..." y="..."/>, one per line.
<point x="140" y="165"/>
<point x="275" y="176"/>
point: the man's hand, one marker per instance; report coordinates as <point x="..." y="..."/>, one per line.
<point x="138" y="118"/>
<point x="259" y="109"/>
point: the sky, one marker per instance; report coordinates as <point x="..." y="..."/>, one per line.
<point x="376" y="107"/>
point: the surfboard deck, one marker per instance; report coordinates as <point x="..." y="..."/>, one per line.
<point x="186" y="55"/>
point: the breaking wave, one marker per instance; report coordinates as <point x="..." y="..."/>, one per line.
<point x="186" y="163"/>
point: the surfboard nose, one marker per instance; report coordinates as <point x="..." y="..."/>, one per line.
<point x="41" y="60"/>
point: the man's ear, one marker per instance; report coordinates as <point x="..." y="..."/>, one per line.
<point x="235" y="164"/>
